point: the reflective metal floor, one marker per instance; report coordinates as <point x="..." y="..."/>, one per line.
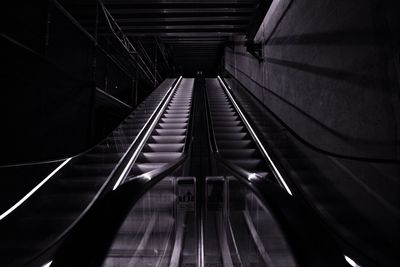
<point x="164" y="228"/>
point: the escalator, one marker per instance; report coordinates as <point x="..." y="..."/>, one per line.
<point x="337" y="187"/>
<point x="167" y="141"/>
<point x="152" y="219"/>
<point x="234" y="142"/>
<point x="45" y="215"/>
<point x="222" y="210"/>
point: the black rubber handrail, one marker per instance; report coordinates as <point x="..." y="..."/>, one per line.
<point x="303" y="141"/>
<point x="88" y="242"/>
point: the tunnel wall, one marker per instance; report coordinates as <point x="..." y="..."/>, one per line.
<point x="50" y="106"/>
<point x="48" y="113"/>
<point x="330" y="72"/>
<point x="50" y="103"/>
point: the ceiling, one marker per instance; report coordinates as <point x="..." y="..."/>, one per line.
<point x="194" y="31"/>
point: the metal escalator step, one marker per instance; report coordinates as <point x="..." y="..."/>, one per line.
<point x="158" y="157"/>
<point x="165" y="132"/>
<point x="224" y="118"/>
<point x="238" y="153"/>
<point x="163" y="125"/>
<point x="177" y="111"/>
<point x="230" y="123"/>
<point x="150" y="147"/>
<point x="174" y="120"/>
<point x="237" y="144"/>
<point x="222" y="113"/>
<point x="179" y="106"/>
<point x="231" y="136"/>
<point x="176" y="115"/>
<point x="222" y="108"/>
<point x="167" y="139"/>
<point x="248" y="164"/>
<point x="229" y="129"/>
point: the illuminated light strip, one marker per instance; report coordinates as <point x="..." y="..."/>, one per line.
<point x="22" y="200"/>
<point x="144" y="139"/>
<point x="47" y="264"/>
<point x="278" y="174"/>
<point x="351" y="262"/>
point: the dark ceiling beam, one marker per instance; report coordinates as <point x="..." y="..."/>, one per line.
<point x="195" y="31"/>
<point x="80" y="16"/>
<point x="214" y="10"/>
<point x="177" y="4"/>
<point x="203" y="27"/>
<point x="174" y="20"/>
<point x="198" y="20"/>
<point x="196" y="39"/>
<point x="189" y="34"/>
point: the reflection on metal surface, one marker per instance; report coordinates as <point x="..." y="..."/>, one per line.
<point x="351" y="262"/>
<point x="163" y="228"/>
<point x="159" y="230"/>
<point x="255" y="238"/>
<point x="252" y="176"/>
<point x="47" y="264"/>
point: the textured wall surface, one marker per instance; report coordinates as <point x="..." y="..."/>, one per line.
<point x="330" y="71"/>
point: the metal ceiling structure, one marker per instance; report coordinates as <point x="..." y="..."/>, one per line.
<point x="195" y="30"/>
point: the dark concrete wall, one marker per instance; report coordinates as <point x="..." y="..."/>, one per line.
<point x="26" y="22"/>
<point x="50" y="104"/>
<point x="330" y="71"/>
<point x="46" y="112"/>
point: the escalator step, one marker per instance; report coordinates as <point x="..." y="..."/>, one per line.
<point x="155" y="147"/>
<point x="167" y="139"/>
<point x="165" y="132"/>
<point x="157" y="157"/>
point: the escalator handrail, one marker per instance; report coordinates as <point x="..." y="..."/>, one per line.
<point x="54" y="173"/>
<point x="89" y="240"/>
<point x="308" y="144"/>
<point x="187" y="147"/>
<point x="127" y="194"/>
<point x="106" y="186"/>
<point x="268" y="193"/>
<point x="141" y="138"/>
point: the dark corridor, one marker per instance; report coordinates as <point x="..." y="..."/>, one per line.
<point x="200" y="133"/>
